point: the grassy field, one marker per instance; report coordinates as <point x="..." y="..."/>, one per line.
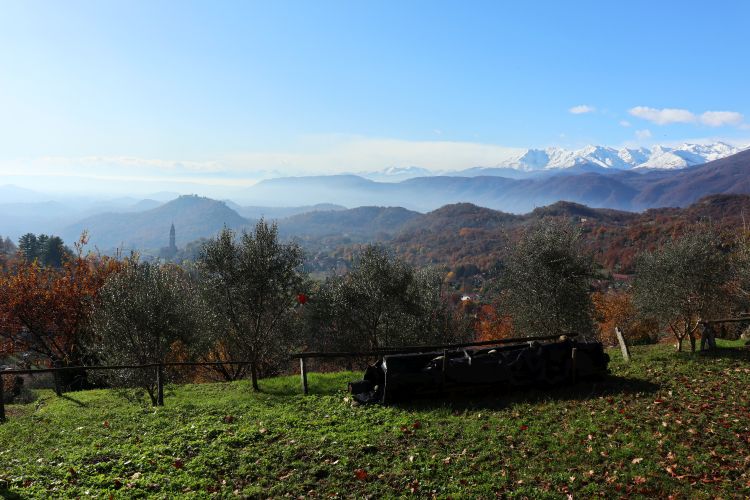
<point x="666" y="424"/>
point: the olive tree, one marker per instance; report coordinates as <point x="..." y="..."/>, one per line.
<point x="382" y="302"/>
<point x="435" y="319"/>
<point x="683" y="282"/>
<point x="740" y="262"/>
<point x="546" y="281"/>
<point x="146" y="314"/>
<point x="252" y="283"/>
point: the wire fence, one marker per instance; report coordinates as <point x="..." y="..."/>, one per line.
<point x="157" y="367"/>
<point x="302" y="356"/>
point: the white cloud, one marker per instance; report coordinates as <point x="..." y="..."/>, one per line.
<point x="721" y="118"/>
<point x="311" y="155"/>
<point x="643" y="134"/>
<point x="663" y="116"/>
<point x="581" y="109"/>
<point x="624" y="123"/>
<point x="666" y="116"/>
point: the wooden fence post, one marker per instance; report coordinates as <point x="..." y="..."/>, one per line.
<point x="159" y="385"/>
<point x="2" y="400"/>
<point x="573" y="363"/>
<point x="303" y="374"/>
<point x="623" y="345"/>
<point x="58" y="388"/>
<point x="444" y="369"/>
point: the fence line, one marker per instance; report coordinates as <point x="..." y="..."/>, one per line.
<point x="158" y="366"/>
<point x="302" y="356"/>
<point x="119" y="367"/>
<point x="422" y="348"/>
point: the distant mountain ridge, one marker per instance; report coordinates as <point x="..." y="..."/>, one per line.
<point x="631" y="189"/>
<point x="303" y="205"/>
<point x="521" y="163"/>
<point x="656" y="157"/>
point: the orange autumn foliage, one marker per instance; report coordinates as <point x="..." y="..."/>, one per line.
<point x="616" y="309"/>
<point x="491" y="325"/>
<point x="44" y="310"/>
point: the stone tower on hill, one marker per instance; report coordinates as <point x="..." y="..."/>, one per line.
<point x="171" y="238"/>
<point x="170" y="251"/>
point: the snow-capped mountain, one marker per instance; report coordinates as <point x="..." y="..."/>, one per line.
<point x="521" y="163"/>
<point x="687" y="155"/>
<point x="657" y="157"/>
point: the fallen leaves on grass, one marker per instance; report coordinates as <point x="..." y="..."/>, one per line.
<point x="361" y="474"/>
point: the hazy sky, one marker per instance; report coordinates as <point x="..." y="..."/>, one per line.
<point x="225" y="92"/>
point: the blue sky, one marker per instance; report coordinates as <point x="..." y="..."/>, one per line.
<point x="224" y="91"/>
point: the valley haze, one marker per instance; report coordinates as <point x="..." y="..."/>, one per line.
<point x="353" y="205"/>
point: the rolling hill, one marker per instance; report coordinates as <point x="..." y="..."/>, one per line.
<point x="364" y="223"/>
<point x="274" y="213"/>
<point x="465" y="234"/>
<point x="193" y="216"/>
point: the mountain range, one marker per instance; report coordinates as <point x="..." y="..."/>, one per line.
<point x="632" y="189"/>
<point x="522" y="163"/>
<point x="304" y="206"/>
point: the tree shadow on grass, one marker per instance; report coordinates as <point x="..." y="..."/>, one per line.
<point x="9" y="494"/>
<point x="74" y="400"/>
<point x="738" y="353"/>
<point x="502" y="397"/>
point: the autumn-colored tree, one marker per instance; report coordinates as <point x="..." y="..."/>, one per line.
<point x="492" y="325"/>
<point x="616" y="309"/>
<point x="44" y="311"/>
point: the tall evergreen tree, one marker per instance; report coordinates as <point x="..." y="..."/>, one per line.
<point x="28" y="247"/>
<point x="53" y="251"/>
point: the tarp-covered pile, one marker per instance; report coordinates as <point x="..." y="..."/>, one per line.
<point x="402" y="376"/>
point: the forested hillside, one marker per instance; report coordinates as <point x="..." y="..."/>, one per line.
<point x="464" y="234"/>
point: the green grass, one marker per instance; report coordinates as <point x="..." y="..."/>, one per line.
<point x="665" y="424"/>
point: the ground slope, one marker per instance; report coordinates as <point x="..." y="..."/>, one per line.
<point x="666" y="424"/>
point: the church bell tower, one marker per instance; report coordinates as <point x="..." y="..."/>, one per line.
<point x="171" y="238"/>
